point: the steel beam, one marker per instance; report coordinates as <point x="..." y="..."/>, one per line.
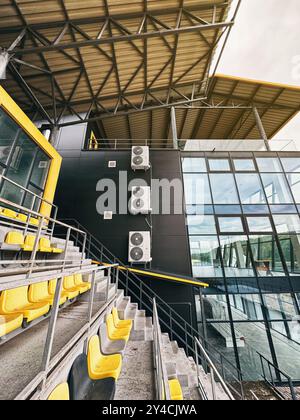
<point x="261" y="128"/>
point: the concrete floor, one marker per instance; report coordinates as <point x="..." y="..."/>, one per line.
<point x="21" y="357"/>
<point x="136" y="381"/>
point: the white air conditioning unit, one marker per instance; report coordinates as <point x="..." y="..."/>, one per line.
<point x="140" y="158"/>
<point x="140" y="202"/>
<point x="139" y="247"/>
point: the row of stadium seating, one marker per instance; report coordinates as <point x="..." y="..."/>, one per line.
<point x="16" y="239"/>
<point x="19" y="217"/>
<point x="20" y="306"/>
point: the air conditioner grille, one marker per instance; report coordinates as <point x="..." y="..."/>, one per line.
<point x="136" y="254"/>
<point x="137" y="239"/>
<point x="138" y="150"/>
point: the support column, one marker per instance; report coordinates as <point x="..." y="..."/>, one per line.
<point x="4" y="59"/>
<point x="261" y="128"/>
<point x="54" y="136"/>
<point x="174" y="128"/>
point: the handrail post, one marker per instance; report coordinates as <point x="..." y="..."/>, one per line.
<point x="90" y="308"/>
<point x="108" y="283"/>
<point x="83" y="253"/>
<point x="66" y="247"/>
<point x="35" y="246"/>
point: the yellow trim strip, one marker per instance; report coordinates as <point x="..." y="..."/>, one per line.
<point x="15" y="112"/>
<point x="159" y="276"/>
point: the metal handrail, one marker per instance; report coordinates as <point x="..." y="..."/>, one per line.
<point x="214" y="373"/>
<point x="170" y="319"/>
<point x="162" y="382"/>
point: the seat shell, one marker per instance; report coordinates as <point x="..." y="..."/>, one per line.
<point x="116" y="333"/>
<point x="83" y="388"/>
<point x="39" y="292"/>
<point x="52" y="287"/>
<point x="60" y="393"/>
<point x="70" y="288"/>
<point x="100" y="366"/>
<point x="82" y="286"/>
<point x="15" y="301"/>
<point x="9" y="323"/>
<point x="126" y="324"/>
<point x="108" y="346"/>
<point x="175" y="390"/>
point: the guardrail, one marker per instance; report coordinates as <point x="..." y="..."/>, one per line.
<point x="161" y="376"/>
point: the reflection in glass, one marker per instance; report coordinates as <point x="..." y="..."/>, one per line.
<point x="223" y="189"/>
<point x="230" y="224"/>
<point x="267" y="164"/>
<point x="201" y="225"/>
<point x="291" y="164"/>
<point x="194" y="165"/>
<point x="280" y="306"/>
<point x="266" y="256"/>
<point x="287" y="223"/>
<point x="283" y="209"/>
<point x="294" y="182"/>
<point x="197" y="189"/>
<point x="236" y="256"/>
<point x="205" y="256"/>
<point x="259" y="224"/>
<point x="40" y="169"/>
<point x="219" y="165"/>
<point x="277" y="189"/>
<point x="250" y="189"/>
<point x="226" y="209"/>
<point x="290" y="245"/>
<point x="246" y="165"/>
<point x="256" y="209"/>
<point x="8" y="132"/>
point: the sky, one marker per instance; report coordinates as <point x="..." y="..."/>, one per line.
<point x="264" y="45"/>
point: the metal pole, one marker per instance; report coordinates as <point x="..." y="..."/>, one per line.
<point x="174" y="128"/>
<point x="54" y="136"/>
<point x="261" y="128"/>
<point x="90" y="308"/>
<point x="4" y="59"/>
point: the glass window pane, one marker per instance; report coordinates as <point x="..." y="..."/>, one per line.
<point x="259" y="224"/>
<point x="287" y="223"/>
<point x="230" y="224"/>
<point x="283" y="209"/>
<point x="266" y="256"/>
<point x="244" y="165"/>
<point x="291" y="164"/>
<point x="290" y="245"/>
<point x="256" y="209"/>
<point x="250" y="189"/>
<point x="294" y="182"/>
<point x="40" y="169"/>
<point x="197" y="189"/>
<point x="277" y="189"/>
<point x="8" y="133"/>
<point x="219" y="165"/>
<point x="271" y="164"/>
<point x="194" y="165"/>
<point x="223" y="189"/>
<point x="205" y="256"/>
<point x="201" y="225"/>
<point x="236" y="256"/>
<point x="226" y="209"/>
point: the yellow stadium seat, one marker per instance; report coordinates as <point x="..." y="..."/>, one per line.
<point x="14" y="238"/>
<point x="57" y="250"/>
<point x="29" y="243"/>
<point x="45" y="245"/>
<point x="21" y="217"/>
<point x="39" y="292"/>
<point x="175" y="390"/>
<point x="33" y="221"/>
<point x="15" y="301"/>
<point x="116" y="333"/>
<point x="9" y="323"/>
<point x="100" y="366"/>
<point x="70" y="288"/>
<point x="9" y="213"/>
<point x="82" y="285"/>
<point x="126" y="324"/>
<point x="52" y="287"/>
<point x="60" y="393"/>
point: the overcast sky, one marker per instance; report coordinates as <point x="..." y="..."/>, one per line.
<point x="265" y="45"/>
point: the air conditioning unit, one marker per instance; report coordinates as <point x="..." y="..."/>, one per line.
<point x="140" y="202"/>
<point x="140" y="160"/>
<point x="139" y="247"/>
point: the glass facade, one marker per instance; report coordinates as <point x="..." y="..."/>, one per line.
<point x="245" y="242"/>
<point x="22" y="161"/>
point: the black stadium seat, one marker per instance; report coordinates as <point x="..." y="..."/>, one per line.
<point x="84" y="388"/>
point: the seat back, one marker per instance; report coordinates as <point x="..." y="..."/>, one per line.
<point x="60" y="393"/>
<point x="14" y="299"/>
<point x="94" y="354"/>
<point x="78" y="279"/>
<point x="45" y="243"/>
<point x="68" y="282"/>
<point x="29" y="240"/>
<point x="115" y="315"/>
<point x="9" y="213"/>
<point x="38" y="292"/>
<point x="110" y="325"/>
<point x="52" y="287"/>
<point x="80" y="384"/>
<point x="14" y="238"/>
